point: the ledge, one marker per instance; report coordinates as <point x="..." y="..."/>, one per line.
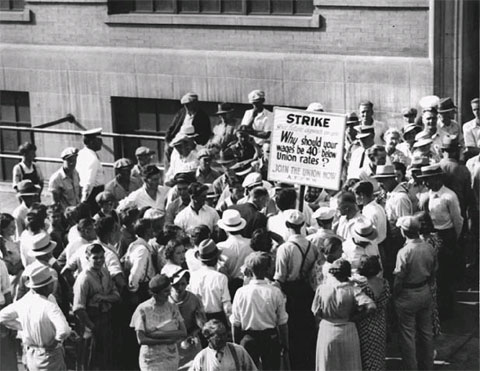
<point x="312" y="21"/>
<point x="17" y="16"/>
<point x="419" y="4"/>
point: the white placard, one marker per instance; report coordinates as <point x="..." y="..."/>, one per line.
<point x="307" y="148"/>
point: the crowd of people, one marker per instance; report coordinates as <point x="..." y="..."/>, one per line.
<point x="204" y="263"/>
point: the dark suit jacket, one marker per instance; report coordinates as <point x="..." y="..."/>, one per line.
<point x="201" y="123"/>
<point x="254" y="218"/>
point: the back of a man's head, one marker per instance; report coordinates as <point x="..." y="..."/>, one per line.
<point x="286" y="199"/>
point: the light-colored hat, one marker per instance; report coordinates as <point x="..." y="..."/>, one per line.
<point x="41" y="244"/>
<point x="422" y="139"/>
<point x="315" y="107"/>
<point x="185" y="134"/>
<point x="408" y="223"/>
<point x="39" y="276"/>
<point x="177" y="275"/>
<point x="431" y="171"/>
<point x="207" y="251"/>
<point x="232" y="221"/>
<point x="256" y="95"/>
<point x="122" y="163"/>
<point x="153" y="213"/>
<point x="92" y="132"/>
<point x="364" y="131"/>
<point x="429" y="102"/>
<point x="363" y="230"/>
<point x="252" y="180"/>
<point x="385" y="171"/>
<point x="189" y="98"/>
<point x="203" y="153"/>
<point x="293" y="216"/>
<point x="69" y="152"/>
<point x="324" y="213"/>
<point x="411" y="127"/>
<point x="143" y="151"/>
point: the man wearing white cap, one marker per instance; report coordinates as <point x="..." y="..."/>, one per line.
<point x="423" y="147"/>
<point x="184" y="157"/>
<point x="92" y="178"/>
<point x="43" y="325"/>
<point x="124" y="183"/>
<point x="324" y="217"/>
<point x="190" y="115"/>
<point x="258" y="118"/>
<point x="144" y="157"/>
<point x="234" y="249"/>
<point x="64" y="184"/>
<point x="293" y="266"/>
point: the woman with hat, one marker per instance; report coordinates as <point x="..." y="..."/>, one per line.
<point x="224" y="131"/>
<point x="338" y="303"/>
<point x="211" y="286"/>
<point x="191" y="309"/>
<point x="124" y="183"/>
<point x="27" y="169"/>
<point x="159" y="326"/>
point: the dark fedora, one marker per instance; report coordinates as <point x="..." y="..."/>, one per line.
<point x="207" y="251"/>
<point x="446" y="105"/>
<point x="226" y="157"/>
<point x="352" y="119"/>
<point x="431" y="171"/>
<point x="224" y="108"/>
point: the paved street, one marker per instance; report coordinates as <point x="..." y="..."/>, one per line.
<point x="457" y="347"/>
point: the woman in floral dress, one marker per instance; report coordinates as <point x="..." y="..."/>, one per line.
<point x="159" y="326"/>
<point x="372" y="329"/>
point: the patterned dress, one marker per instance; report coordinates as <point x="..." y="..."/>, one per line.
<point x="372" y="330"/>
<point x="151" y="317"/>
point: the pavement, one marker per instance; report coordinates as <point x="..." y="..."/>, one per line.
<point x="457" y="346"/>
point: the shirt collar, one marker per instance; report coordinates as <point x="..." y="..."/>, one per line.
<point x="255" y="281"/>
<point x="437" y="193"/>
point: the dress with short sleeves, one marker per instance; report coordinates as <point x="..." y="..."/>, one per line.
<point x="338" y="345"/>
<point x="153" y="318"/>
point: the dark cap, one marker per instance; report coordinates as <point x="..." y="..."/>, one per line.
<point x="159" y="282"/>
<point x="446" y="105"/>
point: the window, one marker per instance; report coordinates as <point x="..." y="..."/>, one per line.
<point x="234" y="7"/>
<point x="12" y="5"/>
<point x="152" y="117"/>
<point x="14" y="111"/>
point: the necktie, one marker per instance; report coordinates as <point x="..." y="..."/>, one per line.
<point x="362" y="159"/>
<point x="219" y="356"/>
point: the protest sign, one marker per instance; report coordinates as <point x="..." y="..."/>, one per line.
<point x="307" y="148"/>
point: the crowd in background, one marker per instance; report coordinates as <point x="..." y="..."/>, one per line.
<point x="203" y="263"/>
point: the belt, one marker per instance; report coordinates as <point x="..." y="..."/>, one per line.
<point x="414" y="285"/>
<point x="268" y="331"/>
<point x="46" y="349"/>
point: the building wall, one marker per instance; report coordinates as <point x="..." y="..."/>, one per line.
<point x="71" y="61"/>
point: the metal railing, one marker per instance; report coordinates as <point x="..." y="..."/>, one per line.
<point x="43" y="128"/>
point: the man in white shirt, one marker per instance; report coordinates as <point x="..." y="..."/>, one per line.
<point x="151" y="194"/>
<point x="471" y="130"/>
<point x="373" y="212"/>
<point x="259" y="119"/>
<point x="349" y="214"/>
<point x="447" y="126"/>
<point x="258" y="310"/>
<point x="89" y="168"/>
<point x="444" y="209"/>
<point x="197" y="212"/>
<point x="235" y="248"/>
<point x="43" y="325"/>
<point x="398" y="204"/>
<point x="140" y="260"/>
<point x="184" y="156"/>
<point x="359" y="159"/>
<point x="365" y="110"/>
<point x="209" y="285"/>
<point x="27" y="193"/>
<point x="64" y="184"/>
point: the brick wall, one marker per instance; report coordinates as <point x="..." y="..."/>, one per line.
<point x="352" y="31"/>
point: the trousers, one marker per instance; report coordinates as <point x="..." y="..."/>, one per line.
<point x="414" y="310"/>
<point x="41" y="359"/>
<point x="263" y="345"/>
